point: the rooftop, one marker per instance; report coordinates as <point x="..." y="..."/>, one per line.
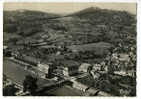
<point x="69" y="63"/>
<point x="30" y="59"/>
<point x="47" y="46"/>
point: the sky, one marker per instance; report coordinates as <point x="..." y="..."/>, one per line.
<point x="65" y="8"/>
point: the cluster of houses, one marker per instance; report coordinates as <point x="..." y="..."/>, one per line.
<point x="71" y="68"/>
<point x="124" y="64"/>
<point x="68" y="67"/>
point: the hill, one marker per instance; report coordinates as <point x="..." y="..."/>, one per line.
<point x="91" y="25"/>
<point x="25" y="22"/>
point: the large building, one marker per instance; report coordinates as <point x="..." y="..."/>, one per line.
<point x="83" y="83"/>
<point x="41" y="68"/>
<point x="84" y="67"/>
<point x="69" y="67"/>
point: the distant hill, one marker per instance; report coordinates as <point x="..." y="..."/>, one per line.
<point x="26" y="15"/>
<point x="25" y="22"/>
<point x="91" y="25"/>
<point x="105" y="16"/>
<point x="110" y="23"/>
<point x="86" y="11"/>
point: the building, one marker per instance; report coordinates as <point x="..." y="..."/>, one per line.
<point x="5" y="47"/>
<point x="84" y="67"/>
<point x="69" y="67"/>
<point x="131" y="73"/>
<point x="124" y="57"/>
<point x="27" y="59"/>
<point x="97" y="67"/>
<point x="49" y="49"/>
<point x="41" y="68"/>
<point x="95" y="74"/>
<point x="7" y="52"/>
<point x="92" y="92"/>
<point x="45" y="69"/>
<point x="79" y="85"/>
<point x="102" y="93"/>
<point x="83" y="83"/>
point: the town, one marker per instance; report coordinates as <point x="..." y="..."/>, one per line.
<point x="73" y="55"/>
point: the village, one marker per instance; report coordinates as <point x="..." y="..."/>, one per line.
<point x="83" y="76"/>
<point x="72" y="55"/>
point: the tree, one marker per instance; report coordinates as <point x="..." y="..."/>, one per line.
<point x="30" y="84"/>
<point x="10" y="90"/>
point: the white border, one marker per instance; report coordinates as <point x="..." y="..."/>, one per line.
<point x="1" y="44"/>
<point x="138" y="50"/>
<point x="59" y="1"/>
<point x="72" y="0"/>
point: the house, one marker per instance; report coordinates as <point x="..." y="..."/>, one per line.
<point x="91" y="91"/>
<point x="102" y="93"/>
<point x="84" y="67"/>
<point x="49" y="49"/>
<point x="124" y="57"/>
<point x="79" y="85"/>
<point x="95" y="74"/>
<point x="97" y="67"/>
<point x="5" y="47"/>
<point x="43" y="67"/>
<point x="131" y="73"/>
<point x="6" y="51"/>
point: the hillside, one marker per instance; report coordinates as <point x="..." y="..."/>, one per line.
<point x="91" y="25"/>
<point x="25" y="22"/>
<point x="106" y="16"/>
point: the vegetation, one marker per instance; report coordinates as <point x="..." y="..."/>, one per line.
<point x="10" y="90"/>
<point x="87" y="26"/>
<point x="30" y="84"/>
